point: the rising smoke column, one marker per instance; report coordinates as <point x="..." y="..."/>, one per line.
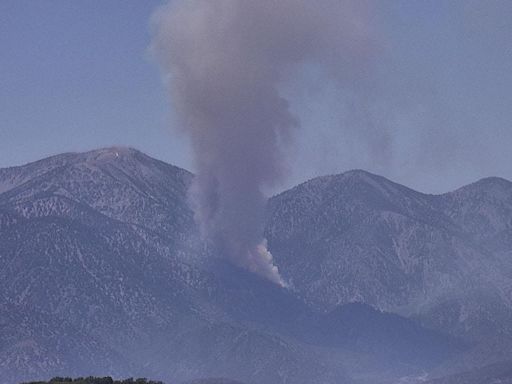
<point x="226" y="61"/>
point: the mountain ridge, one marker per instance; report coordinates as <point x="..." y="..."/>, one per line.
<point x="124" y="151"/>
<point x="106" y="241"/>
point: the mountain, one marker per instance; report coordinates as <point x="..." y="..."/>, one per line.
<point x="360" y="237"/>
<point x="76" y="267"/>
<point x="103" y="272"/>
<point x="100" y="274"/>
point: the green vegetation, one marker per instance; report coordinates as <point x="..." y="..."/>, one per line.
<point x="95" y="380"/>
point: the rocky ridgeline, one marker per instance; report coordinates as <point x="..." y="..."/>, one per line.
<point x="102" y="271"/>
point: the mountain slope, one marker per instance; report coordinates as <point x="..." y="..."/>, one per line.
<point x="360" y="237"/>
<point x="100" y="273"/>
<point x="100" y="250"/>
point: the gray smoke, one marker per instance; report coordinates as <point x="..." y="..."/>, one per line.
<point x="225" y="61"/>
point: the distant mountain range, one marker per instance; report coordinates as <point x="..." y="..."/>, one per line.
<point x="103" y="272"/>
<point x="446" y="259"/>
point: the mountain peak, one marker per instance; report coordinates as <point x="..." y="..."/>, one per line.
<point x="490" y="186"/>
<point x="120" y="168"/>
<point x="115" y="152"/>
<point x="355" y="182"/>
<point x="112" y="155"/>
<point x="360" y="173"/>
<point x="357" y="176"/>
<point x="494" y="181"/>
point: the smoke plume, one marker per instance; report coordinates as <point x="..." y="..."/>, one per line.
<point x="226" y="61"/>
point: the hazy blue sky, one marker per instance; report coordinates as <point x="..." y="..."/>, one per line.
<point x="77" y="75"/>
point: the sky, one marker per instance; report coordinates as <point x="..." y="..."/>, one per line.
<point x="78" y="75"/>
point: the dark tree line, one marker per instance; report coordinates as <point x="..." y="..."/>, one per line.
<point x="95" y="380"/>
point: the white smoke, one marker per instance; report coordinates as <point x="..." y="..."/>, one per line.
<point x="226" y="60"/>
